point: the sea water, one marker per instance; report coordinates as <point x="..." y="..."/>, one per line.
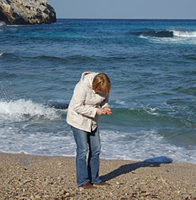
<point x="152" y="67"/>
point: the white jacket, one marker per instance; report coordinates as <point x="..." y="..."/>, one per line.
<point x="83" y="106"/>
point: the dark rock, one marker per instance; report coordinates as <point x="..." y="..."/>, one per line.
<point x="15" y="12"/>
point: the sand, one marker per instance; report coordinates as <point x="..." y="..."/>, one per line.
<point x="32" y="177"/>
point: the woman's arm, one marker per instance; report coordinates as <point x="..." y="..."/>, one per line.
<point x="105" y="106"/>
<point x="105" y="103"/>
<point x="78" y="99"/>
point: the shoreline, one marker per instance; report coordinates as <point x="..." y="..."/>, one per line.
<point x="25" y="176"/>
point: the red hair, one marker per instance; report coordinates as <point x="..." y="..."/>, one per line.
<point x="101" y="83"/>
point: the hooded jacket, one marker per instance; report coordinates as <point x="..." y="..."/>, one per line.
<point x="83" y="106"/>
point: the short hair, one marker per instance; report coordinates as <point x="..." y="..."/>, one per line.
<point x="101" y="83"/>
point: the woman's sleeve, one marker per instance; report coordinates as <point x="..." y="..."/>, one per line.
<point x="105" y="102"/>
<point x="79" y="97"/>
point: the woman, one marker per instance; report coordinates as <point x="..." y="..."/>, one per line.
<point x="90" y="99"/>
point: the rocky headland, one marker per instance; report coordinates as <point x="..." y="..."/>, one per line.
<point x="18" y="12"/>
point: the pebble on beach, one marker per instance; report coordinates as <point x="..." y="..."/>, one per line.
<point x="30" y="177"/>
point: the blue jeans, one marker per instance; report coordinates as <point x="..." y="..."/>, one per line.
<point x="87" y="143"/>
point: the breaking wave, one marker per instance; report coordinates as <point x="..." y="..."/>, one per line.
<point x="21" y="109"/>
<point x="2" y="23"/>
<point x="168" y="33"/>
<point x="188" y="34"/>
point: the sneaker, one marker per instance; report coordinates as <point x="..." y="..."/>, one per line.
<point x="87" y="186"/>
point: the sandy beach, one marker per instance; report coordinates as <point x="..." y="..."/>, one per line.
<point x="32" y="177"/>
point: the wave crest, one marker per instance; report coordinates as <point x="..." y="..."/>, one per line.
<point x="188" y="34"/>
<point x="26" y="108"/>
<point x="2" y="23"/>
<point x="168" y="33"/>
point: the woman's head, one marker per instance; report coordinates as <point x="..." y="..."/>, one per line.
<point x="101" y="83"/>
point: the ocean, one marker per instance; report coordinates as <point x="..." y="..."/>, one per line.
<point x="152" y="67"/>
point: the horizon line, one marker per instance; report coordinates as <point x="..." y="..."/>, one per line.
<point x="123" y="18"/>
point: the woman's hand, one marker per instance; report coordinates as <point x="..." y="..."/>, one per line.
<point x="104" y="111"/>
<point x="101" y="111"/>
<point x="108" y="111"/>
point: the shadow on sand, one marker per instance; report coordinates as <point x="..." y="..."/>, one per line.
<point x="124" y="169"/>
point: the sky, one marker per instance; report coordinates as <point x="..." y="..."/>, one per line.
<point x="125" y="9"/>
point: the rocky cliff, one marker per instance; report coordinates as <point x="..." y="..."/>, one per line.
<point x="15" y="12"/>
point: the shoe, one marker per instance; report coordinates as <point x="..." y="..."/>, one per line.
<point x="102" y="183"/>
<point x="87" y="186"/>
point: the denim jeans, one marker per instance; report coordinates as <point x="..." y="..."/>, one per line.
<point x="87" y="143"/>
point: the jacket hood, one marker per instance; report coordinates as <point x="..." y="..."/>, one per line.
<point x="88" y="77"/>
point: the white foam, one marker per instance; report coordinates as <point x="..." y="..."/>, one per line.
<point x="144" y="37"/>
<point x="20" y="108"/>
<point x="139" y="146"/>
<point x="2" y="23"/>
<point x="152" y="111"/>
<point x="174" y="40"/>
<point x="187" y="34"/>
<point x="1" y="54"/>
<point x="180" y="37"/>
<point x="144" y="145"/>
<point x="120" y="102"/>
<point x="35" y="137"/>
<point x="39" y="143"/>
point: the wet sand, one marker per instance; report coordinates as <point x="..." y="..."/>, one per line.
<point x="32" y="177"/>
